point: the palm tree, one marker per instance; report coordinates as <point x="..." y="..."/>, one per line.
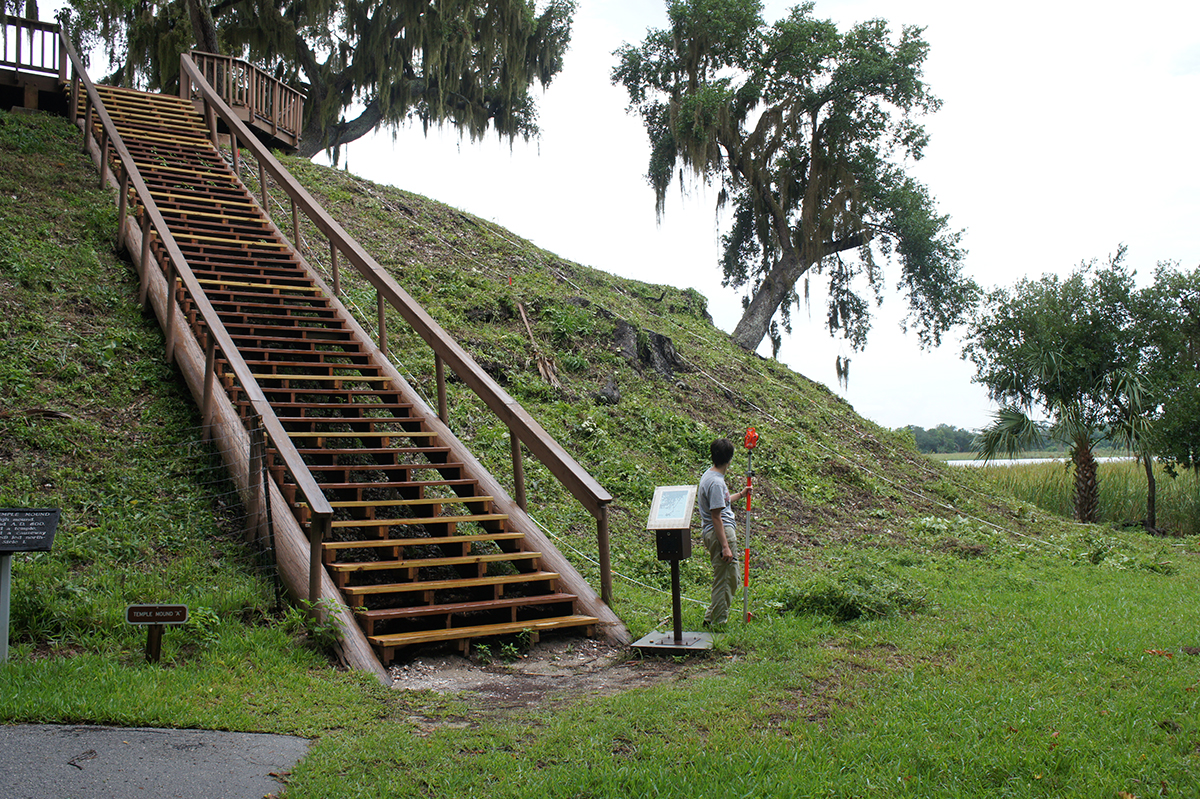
<point x="1013" y="432"/>
<point x="1077" y="423"/>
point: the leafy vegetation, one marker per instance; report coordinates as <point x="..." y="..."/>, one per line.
<point x="810" y="131"/>
<point x="1102" y="358"/>
<point x="361" y="65"/>
<point x="918" y="631"/>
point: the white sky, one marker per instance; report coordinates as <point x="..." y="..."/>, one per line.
<point x="1066" y="129"/>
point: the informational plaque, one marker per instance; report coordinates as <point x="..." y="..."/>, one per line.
<point x="672" y="508"/>
<point x="27" y="529"/>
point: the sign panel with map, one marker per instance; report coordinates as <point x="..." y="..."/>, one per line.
<point x="672" y="508"/>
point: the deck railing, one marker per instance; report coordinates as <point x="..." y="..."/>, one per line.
<point x="267" y="101"/>
<point x="27" y="45"/>
<point x="179" y="273"/>
<point x="523" y="429"/>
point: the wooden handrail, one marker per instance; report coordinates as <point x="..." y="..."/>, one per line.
<point x="32" y="59"/>
<point x="243" y="85"/>
<point x="179" y="268"/>
<point x="590" y="494"/>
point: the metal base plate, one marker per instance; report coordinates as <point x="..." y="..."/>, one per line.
<point x="665" y="642"/>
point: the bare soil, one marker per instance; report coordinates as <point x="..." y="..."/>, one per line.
<point x="561" y="669"/>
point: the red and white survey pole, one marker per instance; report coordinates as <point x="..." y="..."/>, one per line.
<point x="750" y="442"/>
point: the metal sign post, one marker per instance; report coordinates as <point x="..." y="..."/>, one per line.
<point x="671" y="521"/>
<point x="21" y="530"/>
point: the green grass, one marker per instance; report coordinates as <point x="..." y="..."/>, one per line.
<point x="919" y="631"/>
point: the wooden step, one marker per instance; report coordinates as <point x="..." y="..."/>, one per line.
<point x="474" y="517"/>
<point x="374" y="543"/>
<point x="369" y="618"/>
<point x="418" y="563"/>
<point x="387" y="644"/>
<point x="387" y="503"/>
<point x="497" y="581"/>
<point x="343" y="571"/>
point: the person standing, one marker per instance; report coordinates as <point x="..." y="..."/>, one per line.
<point x="717" y="530"/>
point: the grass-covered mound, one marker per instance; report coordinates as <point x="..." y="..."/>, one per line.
<point x="917" y="633"/>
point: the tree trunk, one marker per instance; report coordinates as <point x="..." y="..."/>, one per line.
<point x="1087" y="485"/>
<point x="1151" y="494"/>
<point x="756" y="320"/>
<point x="203" y="28"/>
<point x="313" y="138"/>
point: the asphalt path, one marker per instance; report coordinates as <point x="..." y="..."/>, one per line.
<point x="48" y="761"/>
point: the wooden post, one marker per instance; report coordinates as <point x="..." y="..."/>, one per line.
<point x="87" y="122"/>
<point x="439" y="368"/>
<point x="74" y="99"/>
<point x="170" y="310"/>
<point x="295" y="226"/>
<point x="262" y="187"/>
<point x="317" y="530"/>
<point x="380" y="308"/>
<point x="257" y="499"/>
<point x="154" y="643"/>
<point x="210" y="121"/>
<point x="518" y="468"/>
<point x="333" y="267"/>
<point x="122" y="207"/>
<point x="103" y="157"/>
<point x="145" y="284"/>
<point x="602" y="543"/>
<point x="210" y="362"/>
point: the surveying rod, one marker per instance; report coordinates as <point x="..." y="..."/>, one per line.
<point x="750" y="442"/>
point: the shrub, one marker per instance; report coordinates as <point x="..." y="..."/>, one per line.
<point x="851" y="591"/>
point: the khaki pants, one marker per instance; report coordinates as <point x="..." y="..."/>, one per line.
<point x="725" y="577"/>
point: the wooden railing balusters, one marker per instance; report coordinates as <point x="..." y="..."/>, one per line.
<point x="439" y="370"/>
<point x="380" y="308"/>
<point x="333" y="268"/>
<point x="518" y="463"/>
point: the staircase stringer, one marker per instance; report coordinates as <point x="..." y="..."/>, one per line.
<point x="233" y="441"/>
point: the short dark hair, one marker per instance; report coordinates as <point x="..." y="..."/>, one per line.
<point x="721" y="451"/>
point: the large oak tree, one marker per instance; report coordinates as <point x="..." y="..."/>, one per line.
<point x="363" y="64"/>
<point x="809" y="131"/>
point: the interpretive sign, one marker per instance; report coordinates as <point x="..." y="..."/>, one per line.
<point x="672" y="508"/>
<point x="27" y="529"/>
<point x="21" y="530"/>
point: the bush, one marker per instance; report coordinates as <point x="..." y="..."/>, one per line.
<point x="851" y="591"/>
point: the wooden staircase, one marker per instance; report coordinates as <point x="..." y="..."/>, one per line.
<point x="416" y="548"/>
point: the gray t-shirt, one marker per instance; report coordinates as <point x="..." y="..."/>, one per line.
<point x="713" y="493"/>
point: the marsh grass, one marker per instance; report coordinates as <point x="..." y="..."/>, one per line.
<point x="1122" y="492"/>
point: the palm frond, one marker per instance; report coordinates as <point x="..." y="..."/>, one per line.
<point x="1011" y="432"/>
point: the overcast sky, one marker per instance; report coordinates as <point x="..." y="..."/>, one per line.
<point x="1066" y="129"/>
<point x="1062" y="134"/>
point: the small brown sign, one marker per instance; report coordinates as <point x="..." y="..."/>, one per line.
<point x="156" y="614"/>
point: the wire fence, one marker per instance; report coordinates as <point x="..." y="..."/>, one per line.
<point x="212" y="489"/>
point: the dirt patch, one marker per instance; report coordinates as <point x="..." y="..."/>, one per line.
<point x="558" y="670"/>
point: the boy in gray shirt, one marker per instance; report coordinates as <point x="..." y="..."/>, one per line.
<point x="717" y="530"/>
